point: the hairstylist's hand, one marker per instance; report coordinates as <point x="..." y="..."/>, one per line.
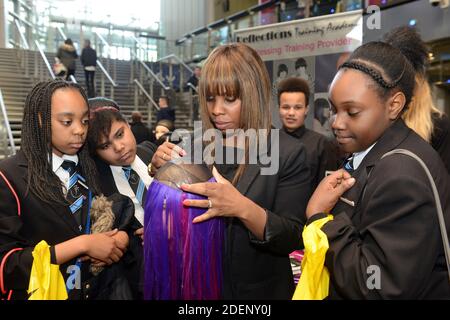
<point x="166" y="152"/>
<point x="223" y="199"/>
<point x="328" y="192"/>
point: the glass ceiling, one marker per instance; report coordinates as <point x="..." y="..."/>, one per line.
<point x="133" y="13"/>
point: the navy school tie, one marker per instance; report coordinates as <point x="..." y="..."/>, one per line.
<point x="75" y="191"/>
<point x="136" y="184"/>
<point x="349" y="165"/>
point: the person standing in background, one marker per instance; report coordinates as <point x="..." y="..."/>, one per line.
<point x="89" y="62"/>
<point x="193" y="80"/>
<point x="165" y="111"/>
<point x="422" y="115"/>
<point x="191" y="84"/>
<point x="293" y="100"/>
<point x="67" y="54"/>
<point x="140" y="131"/>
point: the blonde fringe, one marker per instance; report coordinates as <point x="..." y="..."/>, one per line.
<point x="419" y="112"/>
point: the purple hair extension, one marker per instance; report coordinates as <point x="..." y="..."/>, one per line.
<point x="183" y="260"/>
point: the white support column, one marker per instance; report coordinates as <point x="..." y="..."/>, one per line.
<point x="3" y="24"/>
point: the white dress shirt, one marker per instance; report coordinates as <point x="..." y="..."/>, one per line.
<point x="124" y="187"/>
<point x="62" y="174"/>
<point x="358" y="157"/>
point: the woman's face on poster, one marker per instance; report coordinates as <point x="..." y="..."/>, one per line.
<point x="326" y="113"/>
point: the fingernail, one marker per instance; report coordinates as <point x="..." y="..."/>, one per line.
<point x="183" y="153"/>
<point x="185" y="186"/>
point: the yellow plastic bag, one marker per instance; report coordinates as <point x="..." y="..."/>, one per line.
<point x="315" y="279"/>
<point x="46" y="281"/>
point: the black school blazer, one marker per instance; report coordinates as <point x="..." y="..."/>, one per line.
<point x="38" y="221"/>
<point x="261" y="269"/>
<point x="393" y="227"/>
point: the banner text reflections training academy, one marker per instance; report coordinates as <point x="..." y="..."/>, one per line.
<point x="308" y="37"/>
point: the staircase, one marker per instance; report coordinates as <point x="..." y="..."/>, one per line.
<point x="15" y="87"/>
<point x="123" y="93"/>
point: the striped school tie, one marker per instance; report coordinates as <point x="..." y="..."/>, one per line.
<point x="74" y="192"/>
<point x="348" y="166"/>
<point x="136" y="184"/>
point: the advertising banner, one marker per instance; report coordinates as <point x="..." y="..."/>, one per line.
<point x="308" y="48"/>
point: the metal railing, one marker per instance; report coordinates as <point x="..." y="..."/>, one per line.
<point x="22" y="35"/>
<point x="140" y="87"/>
<point x="73" y="78"/>
<point x="61" y="32"/>
<point x="45" y="60"/>
<point x="174" y="56"/>
<point x="21" y="54"/>
<point x="153" y="75"/>
<point x="149" y="97"/>
<point x="4" y="115"/>
<point x="105" y="73"/>
<point x="114" y="84"/>
<point x="16" y="16"/>
<point x="39" y="64"/>
<point x="192" y="87"/>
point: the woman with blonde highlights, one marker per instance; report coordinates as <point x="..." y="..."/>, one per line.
<point x="265" y="210"/>
<point x="422" y="116"/>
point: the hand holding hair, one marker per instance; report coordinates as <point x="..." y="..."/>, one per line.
<point x="223" y="198"/>
<point x="226" y="201"/>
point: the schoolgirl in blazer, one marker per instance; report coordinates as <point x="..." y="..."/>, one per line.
<point x="35" y="201"/>
<point x="384" y="240"/>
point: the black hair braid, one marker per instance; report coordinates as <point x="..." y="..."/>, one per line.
<point x="36" y="144"/>
<point x="387" y="66"/>
<point x="89" y="170"/>
<point x="372" y="73"/>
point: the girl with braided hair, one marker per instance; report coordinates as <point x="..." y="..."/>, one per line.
<point x="422" y="115"/>
<point x="45" y="192"/>
<point x="382" y="228"/>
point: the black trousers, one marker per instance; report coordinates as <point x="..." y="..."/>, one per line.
<point x="90" y="83"/>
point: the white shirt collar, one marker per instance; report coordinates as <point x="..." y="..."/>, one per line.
<point x="57" y="160"/>
<point x="358" y="157"/>
<point x="124" y="187"/>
